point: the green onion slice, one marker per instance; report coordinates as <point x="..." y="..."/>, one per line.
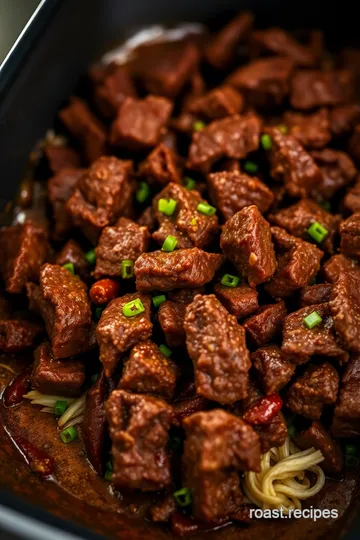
<point x="165" y="350"/>
<point x="127" y="269"/>
<point x="167" y="206"/>
<point x="60" y="407"/>
<point x="170" y="243"/>
<point x="70" y="267"/>
<point x="182" y="497"/>
<point x="143" y="192"/>
<point x="317" y="232"/>
<point x="69" y="435"/>
<point x="230" y="281"/>
<point x="205" y="208"/>
<point x="158" y="300"/>
<point x="312" y="320"/>
<point x="90" y="256"/>
<point x="135" y="307"/>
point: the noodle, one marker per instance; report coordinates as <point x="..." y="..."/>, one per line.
<point x="282" y="482"/>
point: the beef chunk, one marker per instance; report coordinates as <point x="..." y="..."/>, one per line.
<point x="316" y="436"/>
<point x="171" y="319"/>
<point x="117" y="333"/>
<point x="126" y="240"/>
<point x="140" y="122"/>
<point x="272" y="368"/>
<point x="232" y="191"/>
<point x="298" y="264"/>
<point x="300" y="343"/>
<point x="346" y="422"/>
<point x="338" y="170"/>
<point x="315" y="294"/>
<point x="240" y="301"/>
<point x="233" y="137"/>
<point x="18" y="334"/>
<point x="246" y="242"/>
<point x="317" y="387"/>
<point x="183" y="268"/>
<point x="264" y="82"/>
<point x="266" y="325"/>
<point x="161" y="166"/>
<point x="85" y="127"/>
<point x="310" y="130"/>
<point x="113" y="89"/>
<point x="350" y="236"/>
<point x="345" y="309"/>
<point x="217" y="446"/>
<point x="161" y="512"/>
<point x="297" y="218"/>
<point x="149" y="371"/>
<point x="147" y="219"/>
<point x="336" y="265"/>
<point x="62" y="301"/>
<point x="61" y="157"/>
<point x="343" y="119"/>
<point x="313" y="88"/>
<point x="23" y="250"/>
<point x="216" y="344"/>
<point x="218" y="103"/>
<point x="139" y="428"/>
<point x="56" y="377"/>
<point x="102" y="194"/>
<point x="60" y="188"/>
<point x="72" y="253"/>
<point x="352" y="198"/>
<point x="279" y="42"/>
<point x="187" y="224"/>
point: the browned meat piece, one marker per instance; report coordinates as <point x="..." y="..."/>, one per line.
<point x="272" y="368"/>
<point x="246" y="242"/>
<point x="85" y="127"/>
<point x="126" y="240"/>
<point x="346" y="421"/>
<point x="232" y="137"/>
<point x="310" y="130"/>
<point x="264" y="82"/>
<point x="139" y="428"/>
<point x="60" y="188"/>
<point x="352" y="198"/>
<point x="266" y="325"/>
<point x="187" y="224"/>
<point x="279" y="42"/>
<point x="162" y="511"/>
<point x="72" y="253"/>
<point x="345" y="309"/>
<point x="161" y="166"/>
<point x="23" y="249"/>
<point x="56" y="377"/>
<point x="350" y="236"/>
<point x="101" y="195"/>
<point x="343" y="119"/>
<point x="232" y="191"/>
<point x="336" y="265"/>
<point x="112" y="91"/>
<point x="338" y="170"/>
<point x="297" y="218"/>
<point x="61" y="157"/>
<point x="216" y="344"/>
<point x="240" y="301"/>
<point x="182" y="268"/>
<point x="18" y="334"/>
<point x="217" y="446"/>
<point x="218" y="103"/>
<point x="147" y="219"/>
<point x="149" y="371"/>
<point x="315" y="389"/>
<point x="171" y="319"/>
<point x="140" y="122"/>
<point x="298" y="264"/>
<point x="117" y="333"/>
<point x="354" y="143"/>
<point x="221" y="49"/>
<point x="313" y="88"/>
<point x="300" y="342"/>
<point x="315" y="294"/>
<point x="317" y="436"/>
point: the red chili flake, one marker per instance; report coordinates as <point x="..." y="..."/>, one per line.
<point x="263" y="410"/>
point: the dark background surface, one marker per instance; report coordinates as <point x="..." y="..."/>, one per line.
<point x="14" y="14"/>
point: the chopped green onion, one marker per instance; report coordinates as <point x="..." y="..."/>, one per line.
<point x="127" y="269"/>
<point x="165" y="350"/>
<point x="317" y="232"/>
<point x="351" y="450"/>
<point x="291" y="431"/>
<point x="313" y="281"/>
<point x="108" y="476"/>
<point x="69" y="435"/>
<point x="135" y="307"/>
<point x="206" y="209"/>
<point x="266" y="141"/>
<point x="182" y="497"/>
<point x="167" y="206"/>
<point x="143" y="192"/>
<point x="94" y="378"/>
<point x="158" y="300"/>
<point x="193" y="222"/>
<point x="98" y="312"/>
<point x="199" y="125"/>
<point x="189" y="183"/>
<point x="170" y="243"/>
<point x="69" y="267"/>
<point x="311" y="320"/>
<point x="326" y="205"/>
<point x="250" y="167"/>
<point x="230" y="281"/>
<point x="283" y="128"/>
<point x="60" y="407"/>
<point x="90" y="256"/>
<point x="109" y="465"/>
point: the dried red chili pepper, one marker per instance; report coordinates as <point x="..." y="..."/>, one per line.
<point x="263" y="410"/>
<point x="103" y="291"/>
<point x="15" y="390"/>
<point x="40" y="462"/>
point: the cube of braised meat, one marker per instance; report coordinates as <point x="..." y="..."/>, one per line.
<point x="353" y="145"/>
<point x="292" y="165"/>
<point x="218" y="103"/>
<point x="139" y="426"/>
<point x="232" y="191"/>
<point x="265" y="82"/>
<point x="233" y="137"/>
<point x="217" y="446"/>
<point x="314" y="88"/>
<point x="346" y="421"/>
<point x="116" y="333"/>
<point x="112" y="91"/>
<point x="147" y="219"/>
<point x="101" y="195"/>
<point x="23" y="248"/>
<point x="161" y="166"/>
<point x="216" y="344"/>
<point x="18" y="334"/>
<point x="315" y="294"/>
<point x="297" y="218"/>
<point x="246" y="242"/>
<point x="300" y="342"/>
<point x="315" y="389"/>
<point x="266" y="324"/>
<point x="56" y="377"/>
<point x="317" y="436"/>
<point x="61" y="157"/>
<point x="171" y="319"/>
<point x="221" y="49"/>
<point x="352" y="198"/>
<point x="190" y="226"/>
<point x="310" y="130"/>
<point x="240" y="301"/>
<point x="72" y="253"/>
<point x="272" y="368"/>
<point x="343" y="119"/>
<point x="162" y="511"/>
<point x="149" y="371"/>
<point x="350" y="236"/>
<point x="345" y="309"/>
<point x="182" y="268"/>
<point x="336" y="265"/>
<point x="126" y="240"/>
<point x="298" y="264"/>
<point x="140" y="122"/>
<point x="279" y="42"/>
<point x="85" y="127"/>
<point x="337" y="169"/>
<point x="60" y="188"/>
